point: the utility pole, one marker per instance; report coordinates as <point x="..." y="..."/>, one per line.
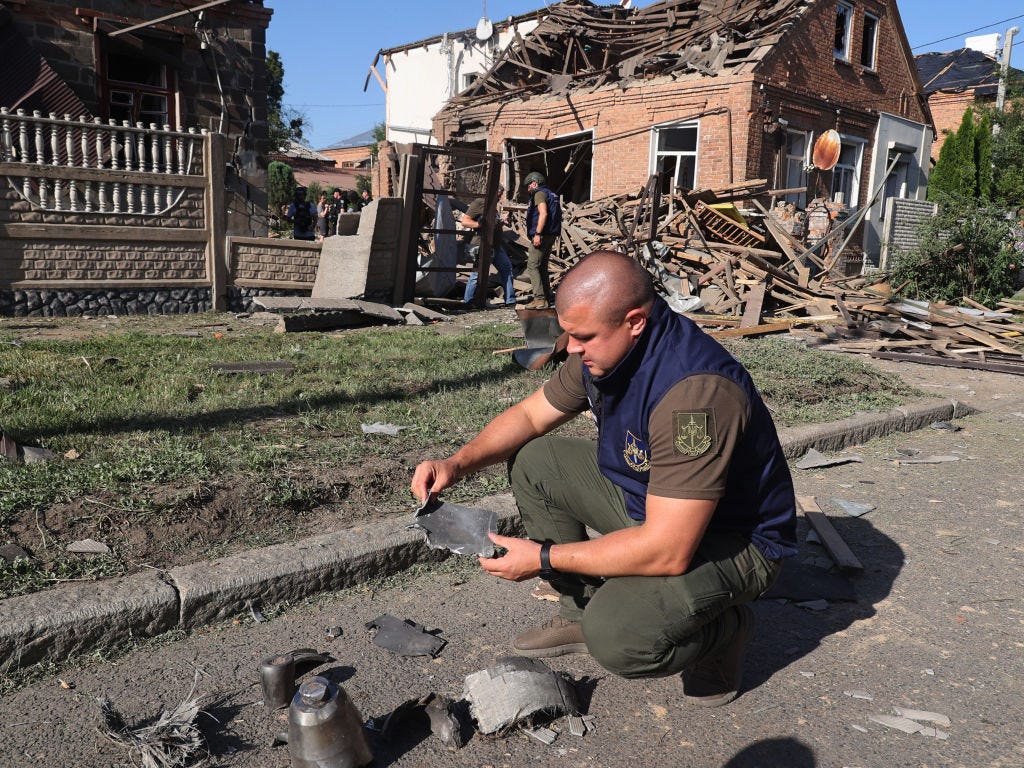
<point x="1004" y="69"/>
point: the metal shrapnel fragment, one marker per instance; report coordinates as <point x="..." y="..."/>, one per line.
<point x="459" y="529"/>
<point x="406" y="638"/>
<point x="514" y="689"/>
<point x="815" y="459"/>
<point x="853" y="508"/>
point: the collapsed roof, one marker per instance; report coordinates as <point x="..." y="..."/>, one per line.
<point x="959" y="70"/>
<point x="581" y="45"/>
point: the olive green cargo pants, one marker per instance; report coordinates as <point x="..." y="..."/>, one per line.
<point x="635" y="626"/>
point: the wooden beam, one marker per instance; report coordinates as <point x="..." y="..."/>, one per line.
<point x="841" y="554"/>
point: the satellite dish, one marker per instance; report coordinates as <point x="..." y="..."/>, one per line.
<point x="826" y="150"/>
<point x="484" y="29"/>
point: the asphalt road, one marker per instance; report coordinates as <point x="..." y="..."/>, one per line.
<point x="936" y="623"/>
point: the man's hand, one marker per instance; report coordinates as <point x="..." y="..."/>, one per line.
<point x="519" y="563"/>
<point x="536" y="241"/>
<point x="433" y="477"/>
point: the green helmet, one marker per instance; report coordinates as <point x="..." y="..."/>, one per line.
<point x="532" y="177"/>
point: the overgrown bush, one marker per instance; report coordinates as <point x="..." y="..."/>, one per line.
<point x="964" y="251"/>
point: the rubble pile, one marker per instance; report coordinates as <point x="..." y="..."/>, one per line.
<point x="734" y="265"/>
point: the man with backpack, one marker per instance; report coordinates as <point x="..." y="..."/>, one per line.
<point x="543" y="226"/>
<point x="302" y="214"/>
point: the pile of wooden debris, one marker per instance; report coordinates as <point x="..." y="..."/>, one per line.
<point x="743" y="274"/>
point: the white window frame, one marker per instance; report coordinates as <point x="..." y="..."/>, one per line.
<point x="855" y="169"/>
<point x="656" y="154"/>
<point x="843" y="54"/>
<point x="874" y="42"/>
<point x="800" y="199"/>
<point x="468" y="78"/>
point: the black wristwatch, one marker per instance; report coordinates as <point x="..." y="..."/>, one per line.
<point x="546" y="571"/>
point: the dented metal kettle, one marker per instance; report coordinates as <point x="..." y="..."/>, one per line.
<point x="325" y="730"/>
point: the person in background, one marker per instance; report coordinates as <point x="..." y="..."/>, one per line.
<point x="473" y="219"/>
<point x="323" y="214"/>
<point x="543" y="226"/>
<point x="338" y="206"/>
<point x="302" y="215"/>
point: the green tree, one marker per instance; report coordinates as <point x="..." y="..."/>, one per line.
<point x="280" y="184"/>
<point x="1008" y="155"/>
<point x="283" y="123"/>
<point x="364" y="182"/>
<point x="380" y="132"/>
<point x="983" y="158"/>
<point x="964" y="251"/>
<point x="955" y="175"/>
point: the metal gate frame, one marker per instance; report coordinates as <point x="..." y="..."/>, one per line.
<point x="413" y="191"/>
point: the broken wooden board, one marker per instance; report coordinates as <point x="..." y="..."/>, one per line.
<point x="841" y="554"/>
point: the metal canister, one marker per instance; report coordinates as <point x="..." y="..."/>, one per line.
<point x="325" y="730"/>
<point x="277" y="676"/>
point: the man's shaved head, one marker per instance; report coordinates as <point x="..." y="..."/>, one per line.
<point x="608" y="282"/>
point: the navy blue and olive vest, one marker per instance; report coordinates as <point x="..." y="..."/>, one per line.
<point x="758" y="500"/>
<point x="553" y="223"/>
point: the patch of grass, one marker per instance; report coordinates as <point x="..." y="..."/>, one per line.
<point x="804" y="386"/>
<point x="24" y="576"/>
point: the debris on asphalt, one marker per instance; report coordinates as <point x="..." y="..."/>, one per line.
<point x="255" y="612"/>
<point x="325" y="729"/>
<point x="577" y="725"/>
<point x="433" y="711"/>
<point x="334" y="632"/>
<point x="858" y="694"/>
<point x="544" y="735"/>
<point x="173" y="740"/>
<point x="927" y="460"/>
<point x="514" y="690"/>
<point x="907" y="725"/>
<point x="814" y="459"/>
<point x="544" y="591"/>
<point x="280" y="739"/>
<point x="853" y="508"/>
<point x="88" y="547"/>
<point x="64" y="684"/>
<point x="838" y="550"/>
<point x="945" y="425"/>
<point x="406" y="638"/>
<point x="378" y="428"/>
<point x="457" y="528"/>
<point x="922" y="715"/>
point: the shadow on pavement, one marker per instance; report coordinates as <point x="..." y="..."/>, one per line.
<point x="786" y="632"/>
<point x="788" y="752"/>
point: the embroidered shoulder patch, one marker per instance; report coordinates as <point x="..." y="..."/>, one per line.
<point x="694" y="432"/>
<point x="637" y="457"/>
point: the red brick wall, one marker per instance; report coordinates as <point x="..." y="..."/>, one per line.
<point x="947" y="111"/>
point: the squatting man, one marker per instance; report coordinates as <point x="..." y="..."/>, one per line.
<point x="686" y="484"/>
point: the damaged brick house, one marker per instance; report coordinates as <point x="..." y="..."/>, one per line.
<point x="132" y="147"/>
<point x="709" y="93"/>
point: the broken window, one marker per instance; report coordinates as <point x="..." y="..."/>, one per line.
<point x="675" y="156"/>
<point x="844" y="20"/>
<point x="468" y="78"/>
<point x="798" y="145"/>
<point x="137" y="89"/>
<point x="846" y="174"/>
<point x="566" y="162"/>
<point x="869" y="42"/>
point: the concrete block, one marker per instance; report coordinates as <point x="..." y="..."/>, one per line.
<point x="217" y="589"/>
<point x="77" y="618"/>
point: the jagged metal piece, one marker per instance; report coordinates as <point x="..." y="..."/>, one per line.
<point x="577" y="726"/>
<point x="462" y="530"/>
<point x="544" y="735"/>
<point x="514" y="689"/>
<point x="815" y="459"/>
<point x="415" y="713"/>
<point x="853" y="508"/>
<point x="406" y="638"/>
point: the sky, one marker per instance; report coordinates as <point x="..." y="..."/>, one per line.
<point x="327" y="46"/>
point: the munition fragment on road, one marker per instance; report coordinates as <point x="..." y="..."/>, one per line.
<point x="514" y="690"/>
<point x="853" y="508"/>
<point x="457" y="528"/>
<point x="406" y="638"/>
<point x="814" y="459"/>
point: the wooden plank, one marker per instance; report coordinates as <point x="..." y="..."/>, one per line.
<point x="841" y="554"/>
<point x="755" y="303"/>
<point x="757" y="330"/>
<point x="906" y="357"/>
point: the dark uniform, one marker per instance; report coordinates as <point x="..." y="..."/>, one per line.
<point x="680" y="418"/>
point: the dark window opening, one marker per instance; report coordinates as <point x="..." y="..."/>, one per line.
<point x="567" y="164"/>
<point x="138" y="90"/>
<point x="868" y="43"/>
<point x="841" y="47"/>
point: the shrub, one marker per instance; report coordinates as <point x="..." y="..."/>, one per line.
<point x="964" y="251"/>
<point x="280" y="184"/>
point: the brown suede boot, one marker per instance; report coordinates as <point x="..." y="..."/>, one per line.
<point x="715" y="680"/>
<point x="555" y="637"/>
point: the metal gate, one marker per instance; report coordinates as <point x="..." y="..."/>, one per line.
<point x="427" y="174"/>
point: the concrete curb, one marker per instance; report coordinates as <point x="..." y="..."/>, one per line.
<point x="77" y="618"/>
